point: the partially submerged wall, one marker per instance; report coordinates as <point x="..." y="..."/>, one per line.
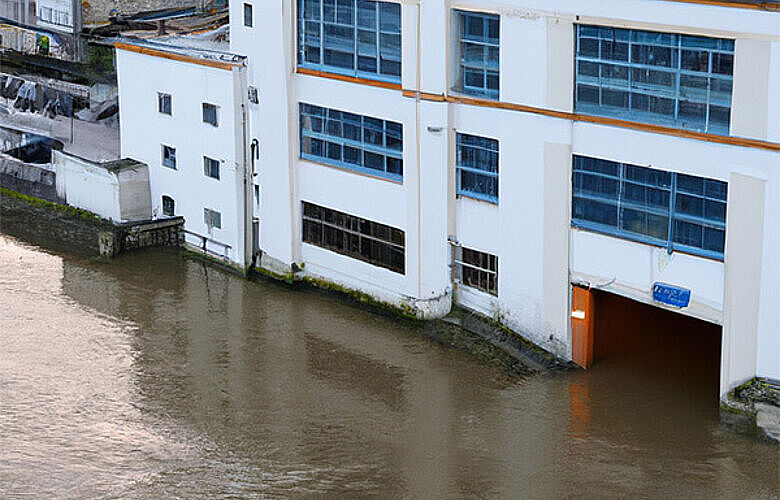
<point x="72" y="230"/>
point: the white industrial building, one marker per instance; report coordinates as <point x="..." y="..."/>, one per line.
<point x="510" y="157"/>
<point x="182" y="115"/>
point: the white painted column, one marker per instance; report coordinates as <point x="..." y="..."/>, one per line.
<point x="751" y="88"/>
<point x="743" y="258"/>
<point x="555" y="259"/>
<point x="274" y="125"/>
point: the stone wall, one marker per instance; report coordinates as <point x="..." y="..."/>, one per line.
<point x="67" y="229"/>
<point x="32" y="180"/>
<point x="154" y="233"/>
<point x="56" y="227"/>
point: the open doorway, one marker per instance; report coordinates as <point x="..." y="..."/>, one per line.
<point x="662" y="353"/>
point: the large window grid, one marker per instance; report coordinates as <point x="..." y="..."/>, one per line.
<point x="676" y="211"/>
<point x="352" y="37"/>
<point x="475" y="269"/>
<point x="355" y="237"/>
<point x="478" y="54"/>
<point x="669" y="79"/>
<point x="362" y="143"/>
<point x="477" y="167"/>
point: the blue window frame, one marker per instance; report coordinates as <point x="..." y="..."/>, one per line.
<point x="675" y="80"/>
<point x="362" y="143"/>
<point x="478" y="49"/>
<point x="351" y="37"/>
<point x="477" y="167"/>
<point x="677" y="211"/>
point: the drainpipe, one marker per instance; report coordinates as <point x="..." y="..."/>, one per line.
<point x="292" y="137"/>
<point x="247" y="225"/>
<point x="417" y="137"/>
<point x="246" y="174"/>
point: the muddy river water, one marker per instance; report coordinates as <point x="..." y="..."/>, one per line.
<point x="156" y="376"/>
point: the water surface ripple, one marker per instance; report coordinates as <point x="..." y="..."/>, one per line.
<point x="156" y="376"/>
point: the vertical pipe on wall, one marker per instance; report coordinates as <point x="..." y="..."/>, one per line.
<point x="417" y="137"/>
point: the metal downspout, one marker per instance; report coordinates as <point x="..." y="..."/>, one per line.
<point x="419" y="166"/>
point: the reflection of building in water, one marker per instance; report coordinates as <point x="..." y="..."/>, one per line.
<point x="411" y="157"/>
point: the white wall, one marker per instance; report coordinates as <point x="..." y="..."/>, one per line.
<point x="269" y="47"/>
<point x="135" y="202"/>
<point x="87" y="186"/>
<point x="144" y="130"/>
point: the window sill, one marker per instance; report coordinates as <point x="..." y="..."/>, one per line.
<point x="352" y="170"/>
<point x="643" y="241"/>
<point x="455" y="92"/>
<point x="347" y="78"/>
<point x="475" y="198"/>
<point x="731" y="140"/>
<point x="472" y="289"/>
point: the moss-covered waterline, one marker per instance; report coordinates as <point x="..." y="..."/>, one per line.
<point x="65" y="209"/>
<point x="486" y="338"/>
<point x="752" y="409"/>
<point x="490" y="341"/>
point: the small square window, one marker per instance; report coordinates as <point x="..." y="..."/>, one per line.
<point x="210" y="113"/>
<point x="164" y="103"/>
<point x="169" y="156"/>
<point x="211" y="167"/>
<point x="212" y="218"/>
<point x="168" y="206"/>
<point x="248" y="21"/>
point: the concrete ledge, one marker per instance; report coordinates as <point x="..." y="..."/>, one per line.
<point x="753" y="408"/>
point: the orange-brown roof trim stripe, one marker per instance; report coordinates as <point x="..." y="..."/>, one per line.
<point x="175" y="57"/>
<point x="601" y="120"/>
<point x="768" y="6"/>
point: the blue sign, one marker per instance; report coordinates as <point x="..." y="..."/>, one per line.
<point x="671" y="295"/>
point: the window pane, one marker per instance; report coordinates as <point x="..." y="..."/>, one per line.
<point x="351" y="42"/>
<point x="594" y="211"/>
<point x="645" y="223"/>
<point x="390" y="17"/>
<point x="643" y="196"/>
<point x="248" y="15"/>
<point x="354" y="141"/>
<point x="478" y="58"/>
<point x="376" y="243"/>
<point x="686" y="86"/>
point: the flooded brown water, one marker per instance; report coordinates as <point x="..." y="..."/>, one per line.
<point x="156" y="376"/>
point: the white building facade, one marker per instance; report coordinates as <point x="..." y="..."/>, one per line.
<point x="506" y="156"/>
<point x="182" y="113"/>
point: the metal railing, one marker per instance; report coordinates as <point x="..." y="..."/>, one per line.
<point x="204" y="242"/>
